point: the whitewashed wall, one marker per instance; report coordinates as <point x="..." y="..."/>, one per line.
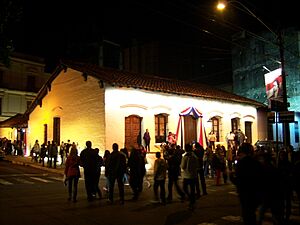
<point x="122" y="102"/>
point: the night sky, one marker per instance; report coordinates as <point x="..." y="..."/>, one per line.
<point x="46" y="27"/>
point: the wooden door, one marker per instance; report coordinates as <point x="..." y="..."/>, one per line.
<point x="248" y="132"/>
<point x="132" y="131"/>
<point x="56" y="130"/>
<point x="190" y="129"/>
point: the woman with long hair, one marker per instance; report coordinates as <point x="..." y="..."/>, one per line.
<point x="72" y="173"/>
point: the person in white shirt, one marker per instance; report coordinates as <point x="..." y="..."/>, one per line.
<point x="212" y="139"/>
<point x="36" y="150"/>
<point x="230" y="139"/>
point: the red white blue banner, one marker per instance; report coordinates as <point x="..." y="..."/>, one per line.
<point x="191" y="111"/>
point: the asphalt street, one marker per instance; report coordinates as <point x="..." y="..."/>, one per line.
<point x="34" y="195"/>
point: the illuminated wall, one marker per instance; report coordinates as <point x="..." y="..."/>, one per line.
<point x="122" y="102"/>
<point x="9" y="133"/>
<point x="89" y="112"/>
<point x="80" y="106"/>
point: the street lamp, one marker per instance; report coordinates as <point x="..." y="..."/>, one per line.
<point x="221" y="6"/>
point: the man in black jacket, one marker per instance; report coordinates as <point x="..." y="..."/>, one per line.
<point x="89" y="160"/>
<point x="248" y="177"/>
<point x="116" y="168"/>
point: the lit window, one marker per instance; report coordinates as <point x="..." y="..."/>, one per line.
<point x="216" y="127"/>
<point x="160" y="128"/>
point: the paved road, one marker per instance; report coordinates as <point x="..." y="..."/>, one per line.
<point x="33" y="196"/>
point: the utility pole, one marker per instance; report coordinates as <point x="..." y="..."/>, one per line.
<point x="280" y="106"/>
<point x="285" y="125"/>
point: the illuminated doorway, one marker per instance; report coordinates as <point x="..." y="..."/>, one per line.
<point x="190" y="129"/>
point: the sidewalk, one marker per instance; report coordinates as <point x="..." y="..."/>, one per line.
<point x="26" y="161"/>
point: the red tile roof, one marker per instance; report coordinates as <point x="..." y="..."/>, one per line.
<point x="154" y="83"/>
<point x="121" y="78"/>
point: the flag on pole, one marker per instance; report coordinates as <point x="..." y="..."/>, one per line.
<point x="273" y="82"/>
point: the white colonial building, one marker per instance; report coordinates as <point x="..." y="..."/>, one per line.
<point x="83" y="102"/>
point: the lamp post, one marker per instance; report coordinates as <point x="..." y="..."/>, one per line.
<point x="284" y="107"/>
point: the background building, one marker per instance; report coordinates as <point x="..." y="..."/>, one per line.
<point x="180" y="60"/>
<point x="250" y="61"/>
<point x="19" y="84"/>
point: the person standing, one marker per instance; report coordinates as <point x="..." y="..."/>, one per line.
<point x="208" y="166"/>
<point x="36" y="151"/>
<point x="171" y="138"/>
<point x="72" y="173"/>
<point x="190" y="167"/>
<point x="272" y="193"/>
<point x="136" y="167"/>
<point x="68" y="146"/>
<point x="116" y="168"/>
<point x="247" y="178"/>
<point x="54" y="153"/>
<point x="89" y="162"/>
<point x="240" y="138"/>
<point x="124" y="151"/>
<point x="217" y="164"/>
<point x="147" y="139"/>
<point x="285" y="168"/>
<point x="62" y="152"/>
<point x="160" y="173"/>
<point x="142" y="167"/>
<point x="230" y="158"/>
<point x="173" y="163"/>
<point x="199" y="152"/>
<point x="43" y="153"/>
<point x="230" y="139"/>
<point x="98" y="173"/>
<point x="212" y="139"/>
<point x="49" y="152"/>
<point x="105" y="159"/>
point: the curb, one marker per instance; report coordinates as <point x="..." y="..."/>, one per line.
<point x="61" y="172"/>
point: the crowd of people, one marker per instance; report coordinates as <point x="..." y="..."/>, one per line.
<point x="265" y="179"/>
<point x="51" y="151"/>
<point x="11" y="147"/>
<point x="122" y="165"/>
<point x="263" y="182"/>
